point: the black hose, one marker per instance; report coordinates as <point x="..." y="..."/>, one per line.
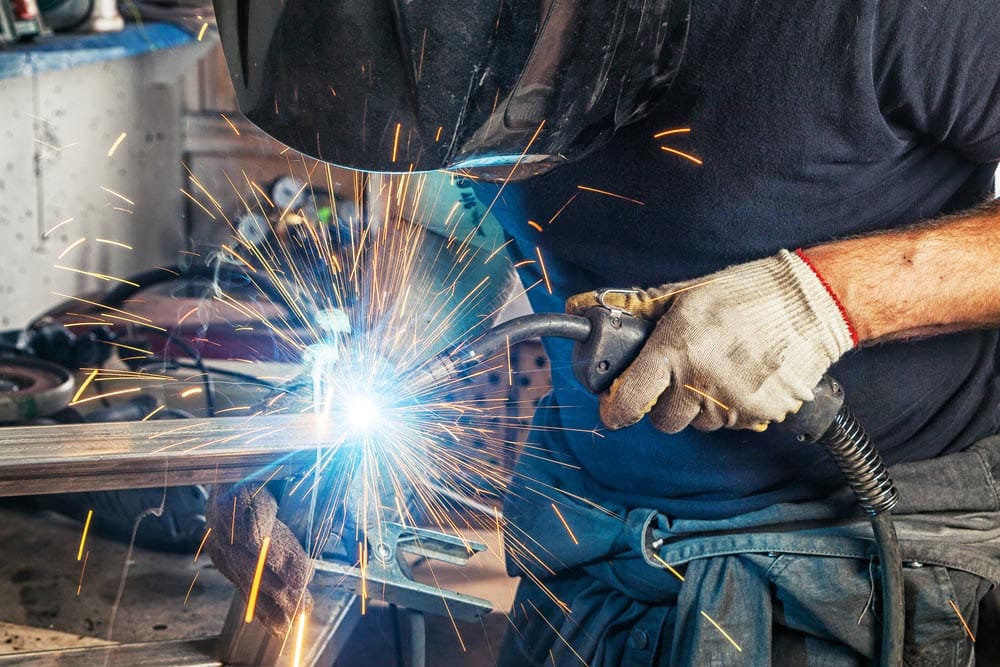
<point x="192" y="352"/>
<point x="859" y="461"/>
<point x="843" y="437"/>
<point x="890" y="558"/>
<point x="460" y="359"/>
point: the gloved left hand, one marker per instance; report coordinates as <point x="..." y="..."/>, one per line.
<point x="738" y="349"/>
<point x="241" y="516"/>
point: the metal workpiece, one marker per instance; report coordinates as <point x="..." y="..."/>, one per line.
<point x="176" y="653"/>
<point x="130" y="455"/>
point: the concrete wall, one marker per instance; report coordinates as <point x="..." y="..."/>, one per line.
<point x="56" y="129"/>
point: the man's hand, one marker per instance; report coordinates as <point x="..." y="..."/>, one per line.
<point x="240" y="517"/>
<point x="738" y="349"/>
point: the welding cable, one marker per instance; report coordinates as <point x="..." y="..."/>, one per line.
<point x="497" y="339"/>
<point x="158" y="276"/>
<point x="397" y="639"/>
<point x="890" y="558"/>
<point x="859" y="462"/>
<point x="246" y="377"/>
<point x="842" y="437"/>
<point x="192" y="352"/>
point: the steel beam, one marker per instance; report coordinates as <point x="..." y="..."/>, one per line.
<point x="129" y="455"/>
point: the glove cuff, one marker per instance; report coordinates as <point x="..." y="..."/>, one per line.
<point x="852" y="332"/>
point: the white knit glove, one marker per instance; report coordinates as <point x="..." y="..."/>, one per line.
<point x="737" y="349"/>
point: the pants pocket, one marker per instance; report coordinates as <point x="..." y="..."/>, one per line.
<point x="942" y="610"/>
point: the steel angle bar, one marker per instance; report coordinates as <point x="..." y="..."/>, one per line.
<point x="123" y="455"/>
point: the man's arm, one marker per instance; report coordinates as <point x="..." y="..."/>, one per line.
<point x="939" y="276"/>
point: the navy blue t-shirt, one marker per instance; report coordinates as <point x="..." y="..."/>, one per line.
<point x="812" y="121"/>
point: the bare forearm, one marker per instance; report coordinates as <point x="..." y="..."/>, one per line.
<point x="927" y="279"/>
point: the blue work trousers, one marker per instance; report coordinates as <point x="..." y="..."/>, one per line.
<point x="793" y="584"/>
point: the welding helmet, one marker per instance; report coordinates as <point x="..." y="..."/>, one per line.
<point x="418" y="85"/>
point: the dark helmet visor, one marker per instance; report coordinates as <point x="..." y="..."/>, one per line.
<point x="417" y="85"/>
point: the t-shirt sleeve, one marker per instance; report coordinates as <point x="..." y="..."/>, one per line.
<point x="937" y="72"/>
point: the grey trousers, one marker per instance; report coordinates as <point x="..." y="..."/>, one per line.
<point x="795" y="584"/>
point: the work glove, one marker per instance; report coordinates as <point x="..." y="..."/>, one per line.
<point x="739" y="348"/>
<point x="240" y="516"/>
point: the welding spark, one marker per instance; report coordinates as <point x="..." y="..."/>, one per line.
<point x="49" y="233"/>
<point x="118" y="142"/>
<point x="201" y="32"/>
<point x="120" y="196"/>
<point x="704" y="395"/>
<point x="191" y="587"/>
<point x="83" y="569"/>
<point x="360" y="302"/>
<point x="965" y="625"/>
<point x="666" y="133"/>
<point x="202" y="545"/>
<point x="723" y="632"/>
<point x="586" y="188"/>
<point x="231" y="124"/>
<point x="362" y="412"/>
<point x="83" y="537"/>
<point x="686" y="156"/>
<point x="255" y="584"/>
<point x="300" y="634"/>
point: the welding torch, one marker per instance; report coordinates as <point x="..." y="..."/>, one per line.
<point x="609" y="339"/>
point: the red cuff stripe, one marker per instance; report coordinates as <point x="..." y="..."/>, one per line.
<point x="829" y="290"/>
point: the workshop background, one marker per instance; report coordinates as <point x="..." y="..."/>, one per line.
<point x="111" y="137"/>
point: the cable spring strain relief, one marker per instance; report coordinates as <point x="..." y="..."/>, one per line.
<point x="859" y="461"/>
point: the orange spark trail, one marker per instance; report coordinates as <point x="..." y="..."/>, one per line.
<point x="99" y="276"/>
<point x="190" y="392"/>
<point x="83" y="537"/>
<point x="72" y="245"/>
<point x="545" y="274"/>
<point x="701" y="393"/>
<point x="117" y="243"/>
<point x="565" y="525"/>
<point x="230" y="124"/>
<point x="255" y="585"/>
<point x="586" y="188"/>
<point x="202" y="545"/>
<point x="686" y="156"/>
<point x="395" y="141"/>
<point x="724" y="633"/>
<point x="131" y="347"/>
<point x="679" y="130"/>
<point x="563" y="208"/>
<point x="201" y="33"/>
<point x="962" y="618"/>
<point x="107" y="395"/>
<point x="122" y="197"/>
<point x="118" y="142"/>
<point x="191" y="587"/>
<point x="83" y="569"/>
<point x="299" y="640"/>
<point x="83" y="387"/>
<point x="668" y="566"/>
<point x="197" y="203"/>
<point x="49" y="232"/>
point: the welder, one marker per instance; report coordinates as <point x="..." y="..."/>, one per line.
<point x="794" y="188"/>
